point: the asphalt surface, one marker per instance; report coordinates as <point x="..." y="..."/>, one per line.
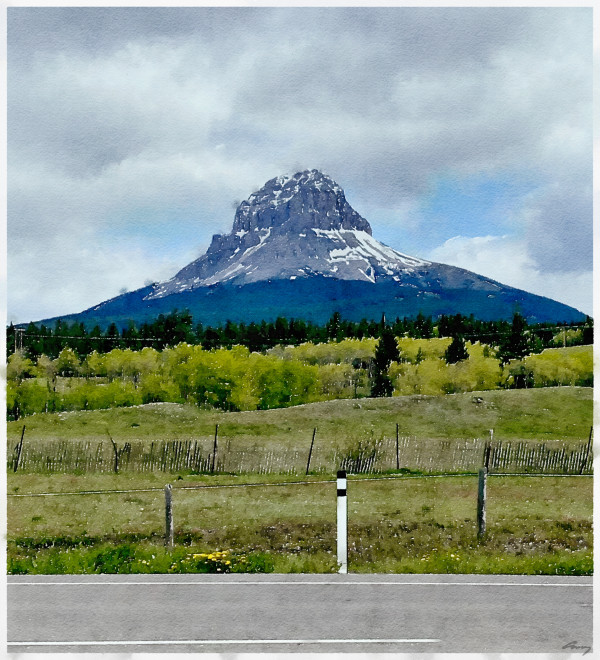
<point x="299" y="613"/>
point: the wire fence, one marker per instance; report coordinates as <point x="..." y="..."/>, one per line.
<point x="278" y="484"/>
<point x="404" y="453"/>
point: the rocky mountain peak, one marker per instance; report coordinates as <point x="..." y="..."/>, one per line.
<point x="306" y="200"/>
<point x="293" y="227"/>
<point x="297" y="249"/>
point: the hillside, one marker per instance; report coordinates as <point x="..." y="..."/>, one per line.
<point x="537" y="414"/>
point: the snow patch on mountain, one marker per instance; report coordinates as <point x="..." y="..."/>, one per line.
<point x="302" y="226"/>
<point x="358" y="245"/>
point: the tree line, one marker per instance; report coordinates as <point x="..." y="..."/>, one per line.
<point x="172" y="329"/>
<point x="236" y="379"/>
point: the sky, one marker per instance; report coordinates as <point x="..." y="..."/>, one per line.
<point x="463" y="135"/>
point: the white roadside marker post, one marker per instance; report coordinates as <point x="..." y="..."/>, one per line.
<point x="481" y="502"/>
<point x="342" y="521"/>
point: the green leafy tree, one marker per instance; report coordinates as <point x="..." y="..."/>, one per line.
<point x="12" y="400"/>
<point x="32" y="397"/>
<point x="19" y="367"/>
<point x="45" y="368"/>
<point x="67" y="362"/>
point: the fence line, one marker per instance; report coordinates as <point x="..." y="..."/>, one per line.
<point x="384" y="455"/>
<point x="398" y="477"/>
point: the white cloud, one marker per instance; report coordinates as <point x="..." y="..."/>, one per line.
<point x="155" y="115"/>
<point x="506" y="260"/>
<point x="76" y="276"/>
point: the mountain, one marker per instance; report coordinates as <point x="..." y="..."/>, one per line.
<point x="298" y="249"/>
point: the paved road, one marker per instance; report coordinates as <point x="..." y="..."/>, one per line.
<point x="307" y="613"/>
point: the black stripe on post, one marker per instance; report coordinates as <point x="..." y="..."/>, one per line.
<point x="341" y="491"/>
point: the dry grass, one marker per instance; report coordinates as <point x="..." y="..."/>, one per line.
<point x="401" y="525"/>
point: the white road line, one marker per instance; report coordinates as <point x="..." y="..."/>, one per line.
<point x="228" y="641"/>
<point x="296" y="584"/>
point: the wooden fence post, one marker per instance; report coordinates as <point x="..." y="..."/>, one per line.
<point x="214" y="456"/>
<point x="583" y="463"/>
<point x="116" y="450"/>
<point x="397" y="447"/>
<point x="169" y="516"/>
<point x="486" y="456"/>
<point x="481" y="502"/>
<point x="19" y="450"/>
<point x="310" y="450"/>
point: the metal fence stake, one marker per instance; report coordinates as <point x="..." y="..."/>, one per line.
<point x="310" y="450"/>
<point x="169" y="534"/>
<point x="19" y="450"/>
<point x="214" y="456"/>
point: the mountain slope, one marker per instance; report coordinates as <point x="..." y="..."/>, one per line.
<point x="298" y="249"/>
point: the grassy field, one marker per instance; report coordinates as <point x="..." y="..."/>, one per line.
<point x="419" y="524"/>
<point x="535" y="525"/>
<point x="544" y="413"/>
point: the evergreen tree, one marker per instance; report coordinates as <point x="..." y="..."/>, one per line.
<point x="362" y="329"/>
<point x="457" y="350"/>
<point x="253" y="338"/>
<point x="281" y="330"/>
<point x="32" y="343"/>
<point x="212" y="339"/>
<point x="334" y="327"/>
<point x="386" y="352"/>
<point x="230" y="334"/>
<point x="112" y="338"/>
<point x="588" y="331"/>
<point x="422" y="327"/>
<point x="515" y="345"/>
<point x="10" y="340"/>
